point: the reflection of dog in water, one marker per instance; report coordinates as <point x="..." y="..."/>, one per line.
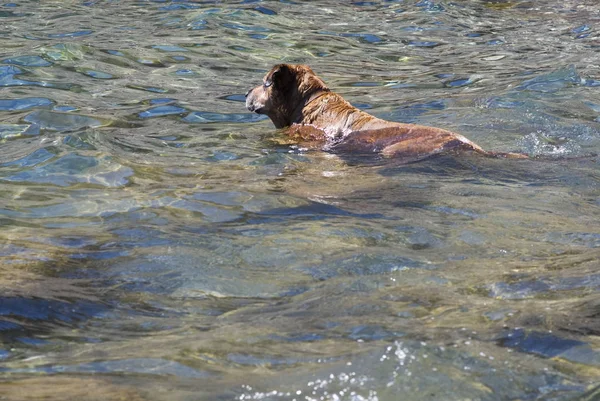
<point x="293" y="97"/>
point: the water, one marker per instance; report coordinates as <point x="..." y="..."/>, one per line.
<point x="159" y="242"/>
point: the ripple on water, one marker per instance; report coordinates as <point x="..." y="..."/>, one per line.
<point x="238" y="97"/>
<point x="24" y="103"/>
<point x="115" y="53"/>
<point x="65" y="108"/>
<point x="179" y="6"/>
<point x="6" y="326"/>
<point x="153" y="89"/>
<point x="65" y="52"/>
<point x="506" y="103"/>
<point x="424" y="43"/>
<point x="430" y="6"/>
<point x="367" y="38"/>
<point x="12" y="14"/>
<point x="527" y="287"/>
<point x="79" y="141"/>
<point x="169" y="48"/>
<point x="95" y="74"/>
<point x="197" y="271"/>
<point x="210" y="212"/>
<point x="581" y="31"/>
<point x="201" y="117"/>
<point x="8" y="73"/>
<point x="161" y="100"/>
<point x="248" y="28"/>
<point x="53" y="121"/>
<point x="40" y="309"/>
<point x="372" y="333"/>
<point x="407" y="367"/>
<point x="161" y="111"/>
<point x="454" y="211"/>
<point x="180" y="58"/>
<point x="85" y="203"/>
<point x="8" y="131"/>
<point x="74" y="34"/>
<point x="421" y="238"/>
<point x="590" y="240"/>
<point x="363" y="37"/>
<point x="27" y="61"/>
<point x="73" y="168"/>
<point x="258" y="36"/>
<point x="185" y="71"/>
<point x="145" y="366"/>
<point x="457" y="83"/>
<point x="553" y="81"/>
<point x="264" y="10"/>
<point x="549" y="345"/>
<point x="150" y="62"/>
<point x="197" y="24"/>
<point x="32" y="159"/>
<point x="364" y="264"/>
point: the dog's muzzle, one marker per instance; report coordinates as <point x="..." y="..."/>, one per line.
<point x="251" y="107"/>
<point x="250" y="103"/>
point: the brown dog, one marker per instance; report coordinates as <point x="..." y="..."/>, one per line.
<point x="293" y="96"/>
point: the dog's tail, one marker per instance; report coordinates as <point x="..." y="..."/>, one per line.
<point x="476" y="148"/>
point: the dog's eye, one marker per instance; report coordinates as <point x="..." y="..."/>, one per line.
<point x="267" y="84"/>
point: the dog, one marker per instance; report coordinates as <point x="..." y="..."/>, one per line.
<point x="296" y="99"/>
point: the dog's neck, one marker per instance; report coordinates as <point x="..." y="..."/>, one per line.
<point x="316" y="95"/>
<point x="310" y="101"/>
<point x="293" y="112"/>
<point x="322" y="110"/>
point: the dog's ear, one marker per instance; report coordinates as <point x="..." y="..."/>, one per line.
<point x="280" y="74"/>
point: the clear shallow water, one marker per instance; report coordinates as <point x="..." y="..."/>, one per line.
<point x="160" y="243"/>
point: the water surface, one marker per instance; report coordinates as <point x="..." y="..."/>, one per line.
<point x="159" y="242"/>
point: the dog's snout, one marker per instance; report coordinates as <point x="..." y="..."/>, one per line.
<point x="256" y="101"/>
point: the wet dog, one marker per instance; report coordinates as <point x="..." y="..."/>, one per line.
<point x="295" y="98"/>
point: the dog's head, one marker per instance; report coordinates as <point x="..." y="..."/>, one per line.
<point x="283" y="93"/>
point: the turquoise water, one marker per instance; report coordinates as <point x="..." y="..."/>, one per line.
<point x="159" y="242"/>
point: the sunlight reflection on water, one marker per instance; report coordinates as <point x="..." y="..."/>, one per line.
<point x="157" y="232"/>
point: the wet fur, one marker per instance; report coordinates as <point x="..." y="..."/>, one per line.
<point x="295" y="98"/>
